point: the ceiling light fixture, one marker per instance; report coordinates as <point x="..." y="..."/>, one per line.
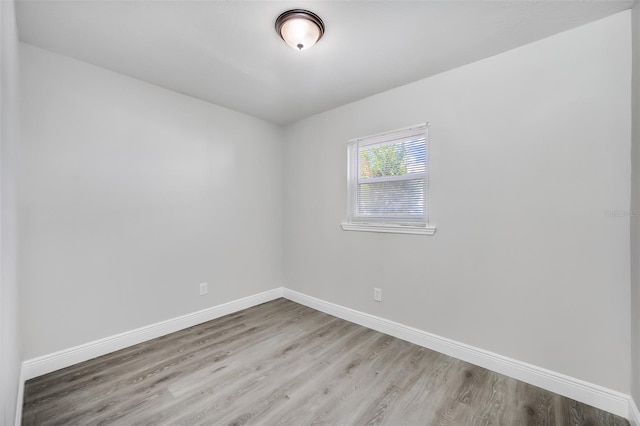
<point x="300" y="28"/>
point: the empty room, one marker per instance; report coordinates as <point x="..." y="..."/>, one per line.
<point x="320" y="212"/>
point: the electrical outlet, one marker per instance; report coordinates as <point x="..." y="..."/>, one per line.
<point x="203" y="289"/>
<point x="377" y="294"/>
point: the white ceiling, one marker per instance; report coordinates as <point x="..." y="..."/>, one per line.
<point x="228" y="53"/>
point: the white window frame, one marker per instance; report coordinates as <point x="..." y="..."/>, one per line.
<point x="381" y="223"/>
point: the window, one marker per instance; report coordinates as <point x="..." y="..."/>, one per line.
<point x="387" y="182"/>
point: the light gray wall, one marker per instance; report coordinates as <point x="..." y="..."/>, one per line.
<point x="635" y="204"/>
<point x="132" y="195"/>
<point x="528" y="150"/>
<point x="10" y="348"/>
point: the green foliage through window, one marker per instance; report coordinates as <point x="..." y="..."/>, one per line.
<point x="386" y="160"/>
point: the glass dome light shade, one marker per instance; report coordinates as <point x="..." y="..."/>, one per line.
<point x="299" y="28"/>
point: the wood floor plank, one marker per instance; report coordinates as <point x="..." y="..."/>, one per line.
<point x="281" y="363"/>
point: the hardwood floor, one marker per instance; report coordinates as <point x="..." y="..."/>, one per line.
<point x="284" y="363"/>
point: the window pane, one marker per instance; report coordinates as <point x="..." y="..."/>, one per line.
<point x="392" y="159"/>
<point x="399" y="199"/>
<point x="388" y="178"/>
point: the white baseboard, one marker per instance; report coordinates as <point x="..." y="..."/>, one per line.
<point x="46" y="364"/>
<point x="588" y="393"/>
<point x="20" y="397"/>
<point x="634" y="413"/>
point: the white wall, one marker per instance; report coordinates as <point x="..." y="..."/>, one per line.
<point x="132" y="195"/>
<point x="10" y="349"/>
<point x="635" y="204"/>
<point x="529" y="148"/>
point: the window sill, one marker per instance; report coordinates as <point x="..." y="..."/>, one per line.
<point x="392" y="229"/>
